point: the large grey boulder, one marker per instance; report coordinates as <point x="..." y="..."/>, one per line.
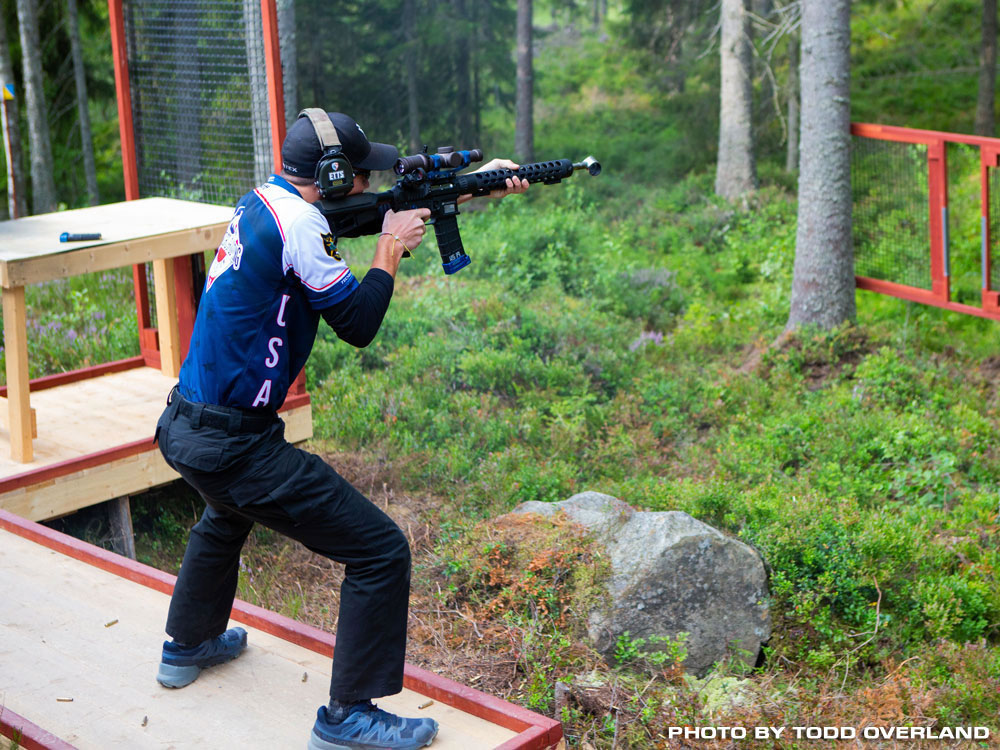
<point x="671" y="573"/>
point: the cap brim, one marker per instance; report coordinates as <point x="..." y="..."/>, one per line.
<point x="382" y="156"/>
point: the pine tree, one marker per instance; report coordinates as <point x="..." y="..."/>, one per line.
<point x="736" y="170"/>
<point x="43" y="189"/>
<point x="83" y="109"/>
<point x="524" y="126"/>
<point x="823" y="278"/>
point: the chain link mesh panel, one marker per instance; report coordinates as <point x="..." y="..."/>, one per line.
<point x="993" y="177"/>
<point x="965" y="223"/>
<point x="199" y="97"/>
<point x="891" y="223"/>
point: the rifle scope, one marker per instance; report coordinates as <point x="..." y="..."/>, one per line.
<point x="445" y="158"/>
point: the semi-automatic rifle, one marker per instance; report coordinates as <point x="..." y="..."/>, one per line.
<point x="432" y="181"/>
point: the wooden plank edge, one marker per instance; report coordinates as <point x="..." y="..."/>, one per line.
<point x="536" y="731"/>
<point x="72" y="376"/>
<point x="91" y="554"/>
<point x="30" y="736"/>
<point x="91" y="460"/>
<point x="535" y="738"/>
<point x="533" y="727"/>
<point x="73" y="465"/>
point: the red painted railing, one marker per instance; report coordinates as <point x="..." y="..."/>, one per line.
<point x="940" y="292"/>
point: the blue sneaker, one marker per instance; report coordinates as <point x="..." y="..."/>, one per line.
<point x="371" y="728"/>
<point x="181" y="666"/>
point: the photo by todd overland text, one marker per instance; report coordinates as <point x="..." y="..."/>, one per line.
<point x="829" y="733"/>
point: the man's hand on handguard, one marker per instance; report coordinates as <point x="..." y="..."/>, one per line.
<point x="515" y="184"/>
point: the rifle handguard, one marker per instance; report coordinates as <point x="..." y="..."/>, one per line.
<point x="546" y="172"/>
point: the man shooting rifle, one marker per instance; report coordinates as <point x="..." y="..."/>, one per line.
<point x="276" y="273"/>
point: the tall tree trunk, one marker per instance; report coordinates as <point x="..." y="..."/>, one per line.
<point x="17" y="194"/>
<point x="289" y="59"/>
<point x="763" y="10"/>
<point x="823" y="278"/>
<point x="43" y="188"/>
<point x="792" y="152"/>
<point x="985" y="104"/>
<point x="524" y="118"/>
<point x="260" y="116"/>
<point x="736" y="171"/>
<point x="410" y="64"/>
<point x="86" y="138"/>
<point x="463" y="88"/>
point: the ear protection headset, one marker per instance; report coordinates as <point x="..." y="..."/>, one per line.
<point x="334" y="173"/>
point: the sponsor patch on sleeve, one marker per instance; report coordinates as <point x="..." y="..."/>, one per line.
<point x="330" y="245"/>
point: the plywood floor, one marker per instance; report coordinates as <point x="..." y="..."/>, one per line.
<point x="90" y="416"/>
<point x="66" y="668"/>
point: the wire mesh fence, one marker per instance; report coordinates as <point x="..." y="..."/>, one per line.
<point x="993" y="178"/>
<point x="964" y="223"/>
<point x="199" y="97"/>
<point x="890" y="219"/>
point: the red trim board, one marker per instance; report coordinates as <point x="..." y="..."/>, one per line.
<point x="73" y="465"/>
<point x="535" y="731"/>
<point x="29" y="736"/>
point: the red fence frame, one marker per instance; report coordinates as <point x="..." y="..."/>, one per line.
<point x="937" y="180"/>
<point x="149" y="345"/>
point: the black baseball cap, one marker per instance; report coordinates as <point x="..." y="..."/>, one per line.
<point x="300" y="151"/>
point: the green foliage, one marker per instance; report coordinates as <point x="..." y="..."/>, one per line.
<point x="604" y="338"/>
<point x="80" y="321"/>
<point x="966" y="681"/>
<point x="662" y="651"/>
<point x="911" y="63"/>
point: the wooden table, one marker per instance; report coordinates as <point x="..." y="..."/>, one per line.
<point x="148" y="230"/>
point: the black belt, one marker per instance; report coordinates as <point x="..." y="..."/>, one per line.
<point x="229" y="418"/>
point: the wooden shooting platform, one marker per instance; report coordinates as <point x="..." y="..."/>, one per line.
<point x="80" y="637"/>
<point x="79" y="438"/>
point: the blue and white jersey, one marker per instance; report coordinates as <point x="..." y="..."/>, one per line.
<point x="276" y="268"/>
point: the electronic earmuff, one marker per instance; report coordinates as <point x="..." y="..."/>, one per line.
<point x="334" y="173"/>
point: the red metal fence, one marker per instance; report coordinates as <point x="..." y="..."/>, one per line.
<point x="900" y="181"/>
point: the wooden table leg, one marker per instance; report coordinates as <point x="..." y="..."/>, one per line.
<point x="166" y="317"/>
<point x="16" y="348"/>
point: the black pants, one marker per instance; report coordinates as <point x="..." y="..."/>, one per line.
<point x="258" y="476"/>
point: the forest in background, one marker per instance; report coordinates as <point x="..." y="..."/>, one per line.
<point x="600" y="340"/>
<point x="913" y="64"/>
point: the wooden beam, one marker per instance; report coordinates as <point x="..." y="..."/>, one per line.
<point x="106" y="257"/>
<point x="120" y="521"/>
<point x="16" y="348"/>
<point x="166" y="317"/>
<point x="5" y="417"/>
<point x="131" y="474"/>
